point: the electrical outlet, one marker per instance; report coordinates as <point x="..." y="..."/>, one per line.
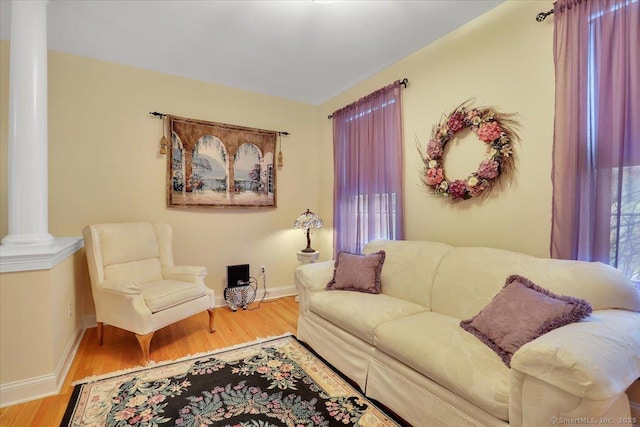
<point x="69" y="309"/>
<point x="263" y="269"/>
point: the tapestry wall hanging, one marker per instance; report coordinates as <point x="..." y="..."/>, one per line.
<point x="220" y="165"/>
<point x="495" y="130"/>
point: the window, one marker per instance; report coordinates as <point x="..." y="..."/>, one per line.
<point x="625" y="221"/>
<point x="624" y="233"/>
<point x="378" y="218"/>
<point x="367" y="140"/>
<point x="596" y="152"/>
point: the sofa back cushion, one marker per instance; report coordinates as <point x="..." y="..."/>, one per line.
<point x="409" y="268"/>
<point x="129" y="252"/>
<point x="468" y="278"/>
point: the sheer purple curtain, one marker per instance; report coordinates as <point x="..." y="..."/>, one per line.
<point x="596" y="153"/>
<point x="367" y="152"/>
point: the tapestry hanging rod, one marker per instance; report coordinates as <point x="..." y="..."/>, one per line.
<point x="403" y="82"/>
<point x="543" y="15"/>
<point x="161" y="115"/>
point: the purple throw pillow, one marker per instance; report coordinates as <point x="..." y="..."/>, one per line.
<point x="521" y="312"/>
<point x="360" y="273"/>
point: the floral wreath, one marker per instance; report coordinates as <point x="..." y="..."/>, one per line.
<point x="492" y="128"/>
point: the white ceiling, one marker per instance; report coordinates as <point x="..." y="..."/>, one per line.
<point x="303" y="50"/>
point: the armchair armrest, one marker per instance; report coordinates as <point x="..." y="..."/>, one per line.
<point x="185" y="273"/>
<point x="127" y="287"/>
<point x="596" y="359"/>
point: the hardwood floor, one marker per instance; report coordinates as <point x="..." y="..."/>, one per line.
<point x="121" y="351"/>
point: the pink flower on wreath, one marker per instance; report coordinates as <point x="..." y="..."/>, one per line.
<point x="456" y="122"/>
<point x="488" y="169"/>
<point x="434" y="176"/>
<point x="488" y="132"/>
<point x="457" y="189"/>
<point x="434" y="149"/>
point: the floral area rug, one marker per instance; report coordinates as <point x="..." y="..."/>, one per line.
<point x="273" y="382"/>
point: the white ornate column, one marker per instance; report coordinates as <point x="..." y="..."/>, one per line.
<point x="28" y="215"/>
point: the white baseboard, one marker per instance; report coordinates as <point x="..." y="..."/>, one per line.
<point x="44" y="385"/>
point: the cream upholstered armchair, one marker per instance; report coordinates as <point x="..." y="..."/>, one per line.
<point x="136" y="286"/>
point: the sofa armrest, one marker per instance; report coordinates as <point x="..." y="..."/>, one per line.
<point x="120" y="287"/>
<point x="310" y="278"/>
<point x="185" y="273"/>
<point x="596" y="359"/>
<point x="314" y="276"/>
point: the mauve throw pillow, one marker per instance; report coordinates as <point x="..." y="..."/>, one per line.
<point x="521" y="312"/>
<point x="360" y="273"/>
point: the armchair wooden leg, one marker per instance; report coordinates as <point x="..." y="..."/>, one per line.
<point x="212" y="315"/>
<point x="100" y="333"/>
<point x="145" y="343"/>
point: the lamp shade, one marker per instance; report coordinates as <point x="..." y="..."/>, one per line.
<point x="308" y="220"/>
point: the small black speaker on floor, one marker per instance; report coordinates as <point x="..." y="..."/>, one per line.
<point x="237" y="275"/>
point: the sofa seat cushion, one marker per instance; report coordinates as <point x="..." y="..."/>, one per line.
<point x="437" y="347"/>
<point x="360" y="313"/>
<point x="162" y="294"/>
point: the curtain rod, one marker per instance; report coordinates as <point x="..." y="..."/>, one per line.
<point x="161" y="115"/>
<point x="543" y="15"/>
<point x="403" y="82"/>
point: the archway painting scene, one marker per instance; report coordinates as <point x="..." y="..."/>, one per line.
<point x="220" y="165"/>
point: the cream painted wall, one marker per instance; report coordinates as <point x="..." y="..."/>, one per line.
<point x="37" y="331"/>
<point x="69" y="283"/>
<point x="25" y="315"/>
<point x="502" y="59"/>
<point x="105" y="166"/>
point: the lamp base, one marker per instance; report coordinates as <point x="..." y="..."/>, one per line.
<point x="308" y="250"/>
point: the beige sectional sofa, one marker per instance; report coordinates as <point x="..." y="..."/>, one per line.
<point x="405" y="348"/>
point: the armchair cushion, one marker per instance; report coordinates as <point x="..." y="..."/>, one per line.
<point x="146" y="270"/>
<point x="163" y="294"/>
<point x="187" y="273"/>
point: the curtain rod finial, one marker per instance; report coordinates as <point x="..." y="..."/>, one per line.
<point x="543" y="15"/>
